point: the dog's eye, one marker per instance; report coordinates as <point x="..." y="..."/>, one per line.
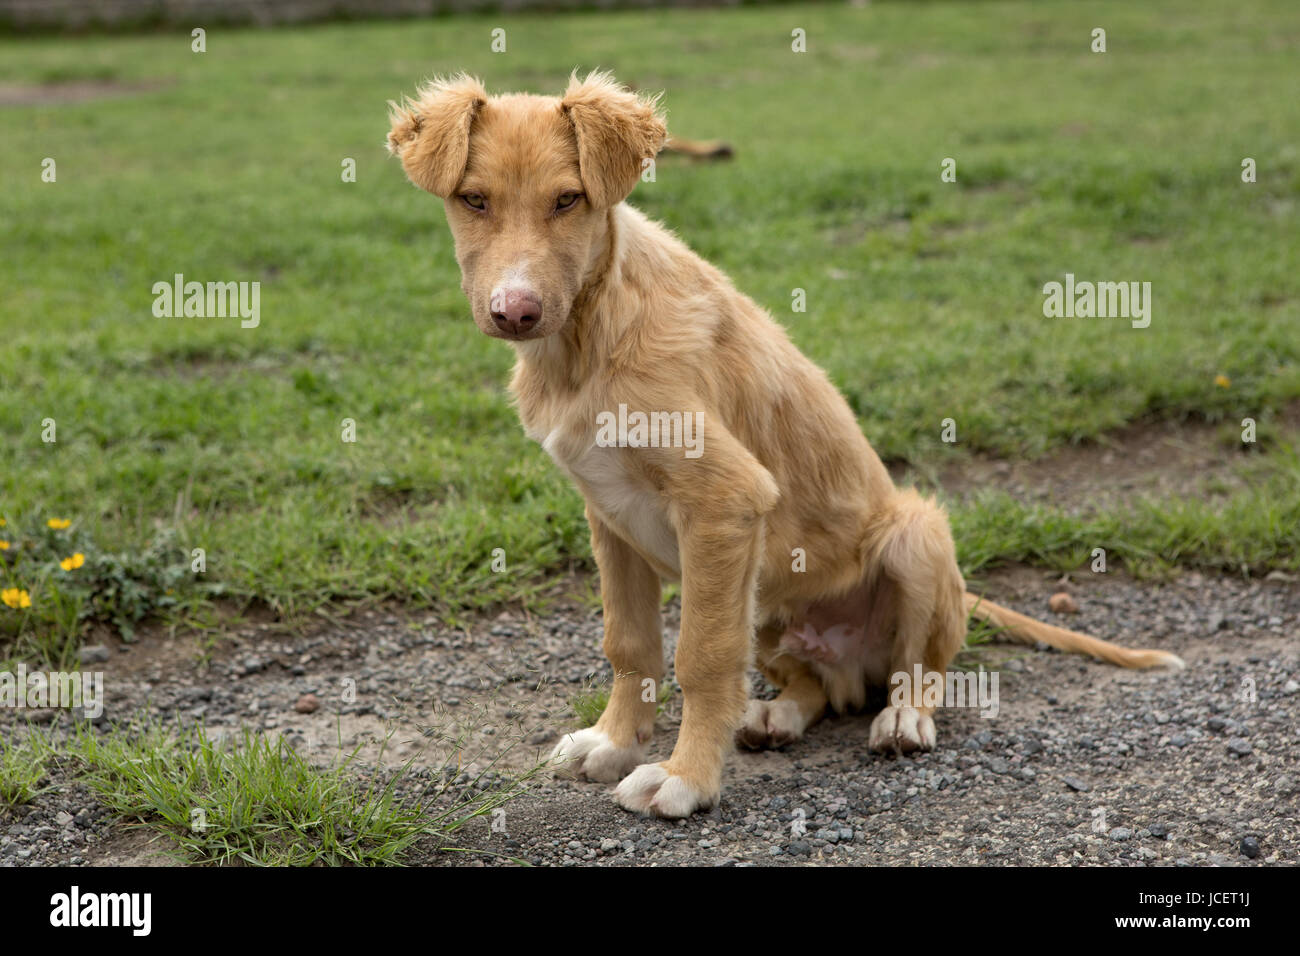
<point x="567" y="201"/>
<point x="474" y="201"/>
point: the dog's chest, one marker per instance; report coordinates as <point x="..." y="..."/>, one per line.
<point x="613" y="489"/>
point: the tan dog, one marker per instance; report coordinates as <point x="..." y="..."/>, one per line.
<point x="614" y="318"/>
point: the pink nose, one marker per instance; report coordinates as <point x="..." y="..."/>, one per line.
<point x="516" y="311"/>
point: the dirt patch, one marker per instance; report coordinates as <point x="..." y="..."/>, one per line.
<point x="132" y="846"/>
<point x="73" y="91"/>
<point x="1157" y="459"/>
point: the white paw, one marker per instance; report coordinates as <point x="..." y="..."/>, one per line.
<point x="652" y="789"/>
<point x="770" y="723"/>
<point x="591" y="754"/>
<point x="901" y="730"/>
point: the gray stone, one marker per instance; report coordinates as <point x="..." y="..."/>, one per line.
<point x="1239" y="747"/>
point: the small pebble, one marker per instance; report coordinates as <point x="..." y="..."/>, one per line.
<point x="1062" y="603"/>
<point x="1239" y="747"/>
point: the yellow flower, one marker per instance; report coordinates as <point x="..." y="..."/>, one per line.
<point x="74" y="562"/>
<point x="1222" y="381"/>
<point x="58" y="524"/>
<point x="2" y="522"/>
<point x="4" y="545"/>
<point x="15" y="597"/>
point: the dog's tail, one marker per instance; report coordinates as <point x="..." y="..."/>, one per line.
<point x="1027" y="630"/>
<point x="699" y="149"/>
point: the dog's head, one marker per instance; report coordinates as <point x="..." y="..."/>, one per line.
<point x="527" y="182"/>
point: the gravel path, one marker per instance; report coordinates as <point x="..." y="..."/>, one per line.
<point x="1084" y="764"/>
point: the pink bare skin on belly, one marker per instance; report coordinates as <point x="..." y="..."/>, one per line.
<point x="851" y="633"/>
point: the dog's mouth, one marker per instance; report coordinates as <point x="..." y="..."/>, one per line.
<point x="522" y="336"/>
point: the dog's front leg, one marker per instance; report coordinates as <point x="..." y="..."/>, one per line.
<point x="720" y="545"/>
<point x="630" y="592"/>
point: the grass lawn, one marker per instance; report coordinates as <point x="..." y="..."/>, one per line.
<point x="924" y="297"/>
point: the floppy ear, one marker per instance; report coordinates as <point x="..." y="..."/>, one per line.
<point x="616" y="132"/>
<point x="430" y="134"/>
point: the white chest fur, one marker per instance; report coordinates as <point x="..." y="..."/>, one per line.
<point x="622" y="498"/>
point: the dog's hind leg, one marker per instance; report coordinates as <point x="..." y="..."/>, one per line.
<point x="801" y="703"/>
<point x="630" y="592"/>
<point x="911" y="545"/>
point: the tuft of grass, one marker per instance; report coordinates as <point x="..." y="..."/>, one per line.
<point x="23" y="765"/>
<point x="980" y="633"/>
<point x="590" y="702"/>
<point x="258" y="802"/>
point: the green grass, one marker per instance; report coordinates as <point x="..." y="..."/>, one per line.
<point x="258" y="802"/>
<point x="1244" y="533"/>
<point x="23" y="766"/>
<point x="255" y="800"/>
<point x="590" y="702"/>
<point x="924" y="298"/>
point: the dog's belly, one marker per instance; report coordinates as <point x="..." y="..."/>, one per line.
<point x="848" y="641"/>
<point x="858" y="652"/>
<point x="633" y="509"/>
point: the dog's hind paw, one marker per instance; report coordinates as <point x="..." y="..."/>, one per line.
<point x="770" y="723"/>
<point x="901" y="730"/>
<point x="591" y="755"/>
<point x="650" y="788"/>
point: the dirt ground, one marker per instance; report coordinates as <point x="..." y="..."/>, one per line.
<point x="1083" y="764"/>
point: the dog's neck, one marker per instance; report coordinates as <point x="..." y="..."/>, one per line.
<point x="561" y="362"/>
